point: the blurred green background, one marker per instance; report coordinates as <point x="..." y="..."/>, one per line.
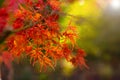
<point x="98" y="22"/>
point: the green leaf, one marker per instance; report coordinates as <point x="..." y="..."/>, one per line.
<point x="1" y="2"/>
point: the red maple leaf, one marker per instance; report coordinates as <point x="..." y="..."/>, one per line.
<point x="3" y="18"/>
<point x="7" y="59"/>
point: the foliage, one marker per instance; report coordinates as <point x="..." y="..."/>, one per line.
<point x="36" y="33"/>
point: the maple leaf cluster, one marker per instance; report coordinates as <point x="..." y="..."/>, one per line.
<point x="37" y="34"/>
<point x="3" y="19"/>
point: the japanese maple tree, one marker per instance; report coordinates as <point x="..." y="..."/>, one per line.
<point x="36" y="33"/>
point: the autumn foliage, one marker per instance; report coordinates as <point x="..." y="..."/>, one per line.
<point x="36" y="33"/>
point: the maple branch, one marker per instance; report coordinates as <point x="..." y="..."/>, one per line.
<point x="4" y="35"/>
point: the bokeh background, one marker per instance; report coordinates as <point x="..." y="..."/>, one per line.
<point x="98" y="22"/>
